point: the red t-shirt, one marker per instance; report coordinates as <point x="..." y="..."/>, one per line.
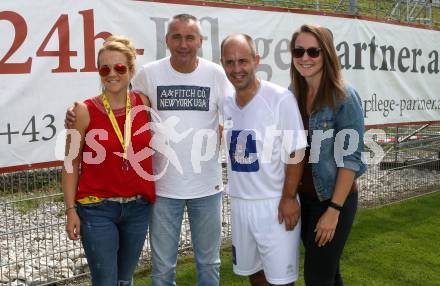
<point x="108" y="179"/>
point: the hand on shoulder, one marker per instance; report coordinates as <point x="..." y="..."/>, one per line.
<point x="145" y="99"/>
<point x="82" y="115"/>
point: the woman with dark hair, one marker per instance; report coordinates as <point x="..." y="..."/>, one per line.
<point x="332" y="114"/>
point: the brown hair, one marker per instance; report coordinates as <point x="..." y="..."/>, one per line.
<point x="120" y="44"/>
<point x="331" y="88"/>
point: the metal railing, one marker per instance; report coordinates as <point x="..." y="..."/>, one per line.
<point x="424" y="12"/>
<point x="410" y="167"/>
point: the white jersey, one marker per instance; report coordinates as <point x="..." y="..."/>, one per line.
<point x="188" y="106"/>
<point x="259" y="138"/>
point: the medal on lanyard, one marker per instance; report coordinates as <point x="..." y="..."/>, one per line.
<point x="124" y="140"/>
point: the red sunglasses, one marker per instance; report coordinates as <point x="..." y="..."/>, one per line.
<point x="119" y="68"/>
<point x="312" y="52"/>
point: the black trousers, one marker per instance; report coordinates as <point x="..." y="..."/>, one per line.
<point x="321" y="264"/>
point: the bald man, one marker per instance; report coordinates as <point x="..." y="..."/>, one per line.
<point x="259" y="118"/>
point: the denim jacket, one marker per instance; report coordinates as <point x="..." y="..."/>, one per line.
<point x="329" y="150"/>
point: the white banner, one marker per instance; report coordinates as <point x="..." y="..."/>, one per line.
<point x="48" y="48"/>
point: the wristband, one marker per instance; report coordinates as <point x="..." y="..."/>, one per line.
<point x="335" y="206"/>
<point x="68" y="209"/>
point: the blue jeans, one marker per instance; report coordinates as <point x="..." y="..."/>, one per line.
<point x="113" y="235"/>
<point x="205" y="221"/>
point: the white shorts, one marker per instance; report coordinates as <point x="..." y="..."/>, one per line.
<point x="259" y="242"/>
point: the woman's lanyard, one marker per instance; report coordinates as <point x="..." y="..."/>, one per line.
<point x="125" y="141"/>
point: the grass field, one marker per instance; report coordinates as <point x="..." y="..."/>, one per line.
<point x="394" y="245"/>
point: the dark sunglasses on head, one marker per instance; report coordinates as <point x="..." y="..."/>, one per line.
<point x="312" y="52"/>
<point x="119" y="68"/>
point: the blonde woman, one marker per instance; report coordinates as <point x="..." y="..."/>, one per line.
<point x="108" y="205"/>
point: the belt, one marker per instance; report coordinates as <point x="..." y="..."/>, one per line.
<point x="93" y="200"/>
<point x="123" y="200"/>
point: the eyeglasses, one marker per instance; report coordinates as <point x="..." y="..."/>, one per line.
<point x="312" y="52"/>
<point x="119" y="68"/>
